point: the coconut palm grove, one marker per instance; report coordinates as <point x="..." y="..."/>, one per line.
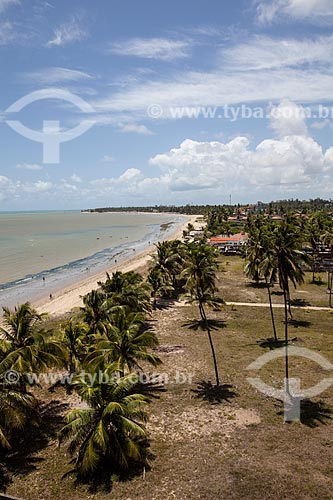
<point x="89" y="408"/>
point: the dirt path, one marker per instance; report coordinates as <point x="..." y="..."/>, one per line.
<point x="264" y="304"/>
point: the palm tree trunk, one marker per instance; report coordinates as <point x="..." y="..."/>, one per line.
<point x="286" y="339"/>
<point x="289" y="304"/>
<point x="71" y="368"/>
<point x="271" y="309"/>
<point x="205" y="321"/>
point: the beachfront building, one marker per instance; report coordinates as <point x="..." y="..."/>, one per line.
<point x="229" y="244"/>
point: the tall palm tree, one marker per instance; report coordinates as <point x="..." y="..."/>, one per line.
<point x="256" y="227"/>
<point x="260" y="259"/>
<point x="24" y="346"/>
<point x="168" y="259"/>
<point x="108" y="434"/>
<point x="73" y="336"/>
<point x="289" y="257"/>
<point x="124" y="344"/>
<point x="315" y="228"/>
<point x="200" y="273"/>
<point x="268" y="267"/>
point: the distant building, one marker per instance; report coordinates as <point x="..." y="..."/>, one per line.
<point x="229" y="244"/>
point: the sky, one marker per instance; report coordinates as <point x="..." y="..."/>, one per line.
<point x="127" y="102"/>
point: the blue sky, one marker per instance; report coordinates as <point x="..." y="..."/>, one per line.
<point x="191" y="101"/>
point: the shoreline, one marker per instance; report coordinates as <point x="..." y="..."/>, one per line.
<point x="70" y="297"/>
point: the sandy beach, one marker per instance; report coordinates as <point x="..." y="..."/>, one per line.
<point x="70" y="297"/>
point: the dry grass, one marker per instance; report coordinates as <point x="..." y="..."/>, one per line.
<point x="238" y="448"/>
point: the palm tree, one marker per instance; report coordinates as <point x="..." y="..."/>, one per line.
<point x="25" y="347"/>
<point x="167" y="260"/>
<point x="200" y="272"/>
<point x="289" y="258"/>
<point x="124" y="343"/>
<point x="261" y="259"/>
<point x="126" y="289"/>
<point x="73" y="336"/>
<point x="159" y="283"/>
<point x="254" y="253"/>
<point x="268" y="267"/>
<point x="17" y="410"/>
<point x="254" y="246"/>
<point x="315" y="228"/>
<point x="108" y="434"/>
<point x="95" y="311"/>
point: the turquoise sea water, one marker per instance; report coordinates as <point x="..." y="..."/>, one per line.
<point x="41" y="252"/>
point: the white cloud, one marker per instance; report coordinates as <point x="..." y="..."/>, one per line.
<point x="152" y="48"/>
<point x="7" y="33"/>
<point x="37" y="187"/>
<point x="136" y="128"/>
<point x="57" y="75"/>
<point x="313" y="11"/>
<point x="67" y="33"/>
<point x="107" y="158"/>
<point x="291" y="161"/>
<point x="76" y="178"/>
<point x="263" y="52"/>
<point x="295" y="165"/>
<point x="29" y="166"/>
<point x="258" y="70"/>
<point x="288" y="119"/>
<point x="129" y="175"/>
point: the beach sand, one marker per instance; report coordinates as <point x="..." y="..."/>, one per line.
<point x="70" y="297"/>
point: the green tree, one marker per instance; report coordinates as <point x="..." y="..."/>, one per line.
<point x="268" y="268"/>
<point x="18" y="409"/>
<point x="260" y="258"/>
<point x="315" y="228"/>
<point x="24" y="346"/>
<point x="169" y="260"/>
<point x="109" y="434"/>
<point x="159" y="283"/>
<point x="124" y="344"/>
<point x="200" y="272"/>
<point x="73" y="338"/>
<point x="290" y="260"/>
<point x="95" y="311"/>
<point x="127" y="289"/>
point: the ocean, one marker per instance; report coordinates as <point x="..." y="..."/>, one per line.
<point x="42" y="252"/>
